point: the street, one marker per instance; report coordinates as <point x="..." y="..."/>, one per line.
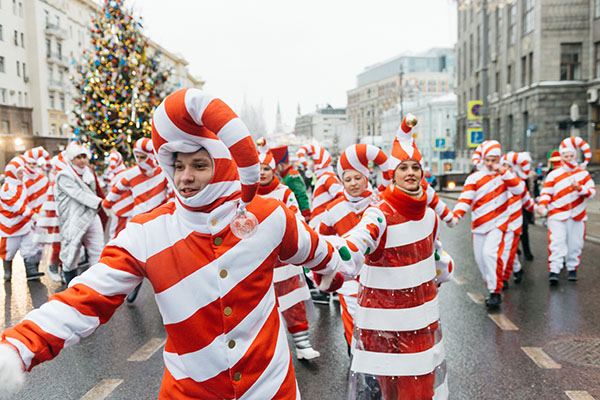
<point x="543" y="344"/>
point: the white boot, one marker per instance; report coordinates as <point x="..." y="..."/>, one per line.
<point x="307" y="354"/>
<point x="11" y="371"/>
<point x="304" y="349"/>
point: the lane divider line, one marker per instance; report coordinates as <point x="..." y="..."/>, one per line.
<point x="579" y="395"/>
<point x="476" y="297"/>
<point x="460" y="280"/>
<point x="503" y="322"/>
<point x="540" y="357"/>
<point x="147" y="350"/>
<point x="102" y="390"/>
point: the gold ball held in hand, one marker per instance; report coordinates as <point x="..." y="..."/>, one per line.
<point x="261" y="141"/>
<point x="411" y="120"/>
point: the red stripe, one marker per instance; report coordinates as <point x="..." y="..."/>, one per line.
<point x="397" y="298"/>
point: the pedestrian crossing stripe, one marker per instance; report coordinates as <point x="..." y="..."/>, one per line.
<point x="541" y="359"/>
<point x="503" y="322"/>
<point x="579" y="395"/>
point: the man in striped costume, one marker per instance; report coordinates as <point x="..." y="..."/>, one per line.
<point x="290" y="283"/>
<point x="214" y="290"/>
<point x="486" y="190"/>
<point x="563" y="198"/>
<point x="16" y="221"/>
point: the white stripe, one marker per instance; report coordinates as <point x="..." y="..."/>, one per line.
<point x="398" y="364"/>
<point x="72" y="325"/>
<point x="403" y="277"/>
<point x="147" y="350"/>
<point x="249" y="175"/>
<point x="294" y="297"/>
<point x="285" y="272"/>
<point x="26" y="354"/>
<point x="102" y="390"/>
<point x="578" y="395"/>
<point x="196" y="101"/>
<point x="47" y="222"/>
<point x="476" y="297"/>
<point x="441" y="392"/>
<point x="398" y="319"/>
<point x="109" y="281"/>
<point x="410" y="231"/>
<point x="541" y="359"/>
<point x="503" y="322"/>
<point x="459" y="280"/>
<point x="232" y="132"/>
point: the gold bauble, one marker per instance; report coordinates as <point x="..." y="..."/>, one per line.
<point x="411" y="120"/>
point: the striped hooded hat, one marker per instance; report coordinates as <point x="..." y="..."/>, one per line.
<point x="357" y="157"/>
<point x="59" y="162"/>
<point x="404" y="147"/>
<point x="486" y="149"/>
<point x="144" y="146"/>
<point x="264" y="153"/>
<point x="12" y="168"/>
<point x="115" y="165"/>
<point x="520" y="163"/>
<point x="571" y="144"/>
<point x="33" y="156"/>
<point x="189" y="120"/>
<point x="321" y="157"/>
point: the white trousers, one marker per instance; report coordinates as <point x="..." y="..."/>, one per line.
<point x="488" y="249"/>
<point x="565" y="244"/>
<point x="30" y="250"/>
<point x="93" y="241"/>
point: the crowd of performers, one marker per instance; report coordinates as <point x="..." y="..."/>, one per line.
<point x="227" y="237"/>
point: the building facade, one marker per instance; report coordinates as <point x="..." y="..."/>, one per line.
<point x="320" y="126"/>
<point x="41" y="42"/>
<point x="384" y="85"/>
<point x="543" y="61"/>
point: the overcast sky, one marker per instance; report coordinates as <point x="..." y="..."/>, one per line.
<point x="298" y="52"/>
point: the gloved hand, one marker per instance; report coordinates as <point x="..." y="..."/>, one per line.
<point x="36" y="217"/>
<point x="328" y="283"/>
<point x="542" y="211"/>
<point x="452" y="223"/>
<point x="12" y="376"/>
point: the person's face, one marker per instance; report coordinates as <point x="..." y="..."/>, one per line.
<point x="140" y="157"/>
<point x="569" y="156"/>
<point x="408" y="175"/>
<point x="354" y="183"/>
<point x="193" y="171"/>
<point x="266" y="175"/>
<point x="490" y="161"/>
<point x="20" y="173"/>
<point x="80" y="161"/>
<point x="508" y="167"/>
<point x="32" y="166"/>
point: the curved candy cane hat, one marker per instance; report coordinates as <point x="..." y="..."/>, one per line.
<point x="321" y="157"/>
<point x="520" y="163"/>
<point x="357" y="156"/>
<point x="571" y="144"/>
<point x="404" y="147"/>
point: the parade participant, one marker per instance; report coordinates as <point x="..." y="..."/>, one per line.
<point x="563" y="199"/>
<point x="486" y="190"/>
<point x="214" y="290"/>
<point x="520" y="165"/>
<point x="49" y="218"/>
<point x="122" y="208"/>
<point x="327" y="186"/>
<point x="290" y="283"/>
<point x="345" y="212"/>
<point x="398" y="351"/>
<point x="16" y="221"/>
<point x="78" y="197"/>
<point x="35" y="182"/>
<point x="291" y="178"/>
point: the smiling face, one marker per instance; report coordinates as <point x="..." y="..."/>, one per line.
<point x="266" y="175"/>
<point x="193" y="172"/>
<point x="568" y="156"/>
<point x="408" y="175"/>
<point x="354" y="183"/>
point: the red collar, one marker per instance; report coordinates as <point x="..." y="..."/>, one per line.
<point x="268" y="188"/>
<point x="409" y="207"/>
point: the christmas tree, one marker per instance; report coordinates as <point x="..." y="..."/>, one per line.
<point x="119" y="86"/>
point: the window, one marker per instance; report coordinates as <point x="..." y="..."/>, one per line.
<point x="497" y="82"/>
<point x="57" y="19"/>
<point x="478" y="46"/>
<point x="47" y="18"/>
<point x="597" y="55"/>
<point x="51" y="101"/>
<point x="20" y="99"/>
<point x="25" y="128"/>
<point x="5" y="126"/>
<point x="50" y="73"/>
<point x="471" y="54"/>
<point x="24" y="71"/>
<point x="570" y="61"/>
<point x="512" y="24"/>
<point x="530" y="74"/>
<point x="1" y="33"/>
<point x="59" y="50"/>
<point x="20" y="9"/>
<point x="596" y="8"/>
<point x="62" y="102"/>
<point x="16" y="38"/>
<point x="22" y="40"/>
<point x="60" y="76"/>
<point x="26" y="101"/>
<point x="523" y="70"/>
<point x="18" y="68"/>
<point x="528" y="16"/>
<point x="48" y="48"/>
<point x="1" y="64"/>
<point x="2" y="96"/>
<point x="508" y="74"/>
<point x="499" y="26"/>
<point x="53" y="129"/>
<point x="15" y="7"/>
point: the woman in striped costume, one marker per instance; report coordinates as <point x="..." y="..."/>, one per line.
<point x="289" y="281"/>
<point x="214" y="290"/>
<point x="345" y="212"/>
<point x="563" y="198"/>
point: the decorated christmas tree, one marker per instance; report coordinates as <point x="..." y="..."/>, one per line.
<point x="120" y="83"/>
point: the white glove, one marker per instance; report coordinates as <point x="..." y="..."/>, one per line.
<point x="542" y="211"/>
<point x="36" y="217"/>
<point x="452" y="223"/>
<point x="12" y="376"/>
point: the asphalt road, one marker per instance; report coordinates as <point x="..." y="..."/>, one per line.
<point x="543" y="344"/>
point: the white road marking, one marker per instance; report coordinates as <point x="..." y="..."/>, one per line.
<point x="146" y="351"/>
<point x="578" y="395"/>
<point x="539" y="357"/>
<point x="503" y="323"/>
<point x="460" y="281"/>
<point x="102" y="390"/>
<point x="476" y="297"/>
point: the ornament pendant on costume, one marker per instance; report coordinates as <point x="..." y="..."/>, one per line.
<point x="411" y="120"/>
<point x="374" y="199"/>
<point x="244" y="224"/>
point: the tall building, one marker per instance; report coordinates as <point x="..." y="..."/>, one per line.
<point x="544" y="62"/>
<point x="382" y="86"/>
<point x="320" y="126"/>
<point x="41" y="42"/>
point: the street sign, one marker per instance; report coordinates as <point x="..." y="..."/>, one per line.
<point x="439" y="144"/>
<point x="474" y="137"/>
<point x="474" y="109"/>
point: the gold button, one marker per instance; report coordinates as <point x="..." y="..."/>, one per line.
<point x="231" y="344"/>
<point x="218" y="241"/>
<point x="214" y="222"/>
<point x="227" y="311"/>
<point x="237" y="376"/>
<point x="223" y="273"/>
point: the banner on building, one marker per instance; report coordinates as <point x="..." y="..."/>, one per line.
<point x="474" y="110"/>
<point x="474" y="137"/>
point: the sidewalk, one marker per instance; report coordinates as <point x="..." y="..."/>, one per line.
<point x="593" y="214"/>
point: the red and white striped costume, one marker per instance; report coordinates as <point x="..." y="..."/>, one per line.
<point x="115" y="167"/>
<point x="36" y="183"/>
<point x="15" y="214"/>
<point x="327" y="187"/>
<point x="123" y="207"/>
<point x="209" y="285"/>
<point x="566" y="207"/>
<point x="486" y="193"/>
<point x="520" y="163"/>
